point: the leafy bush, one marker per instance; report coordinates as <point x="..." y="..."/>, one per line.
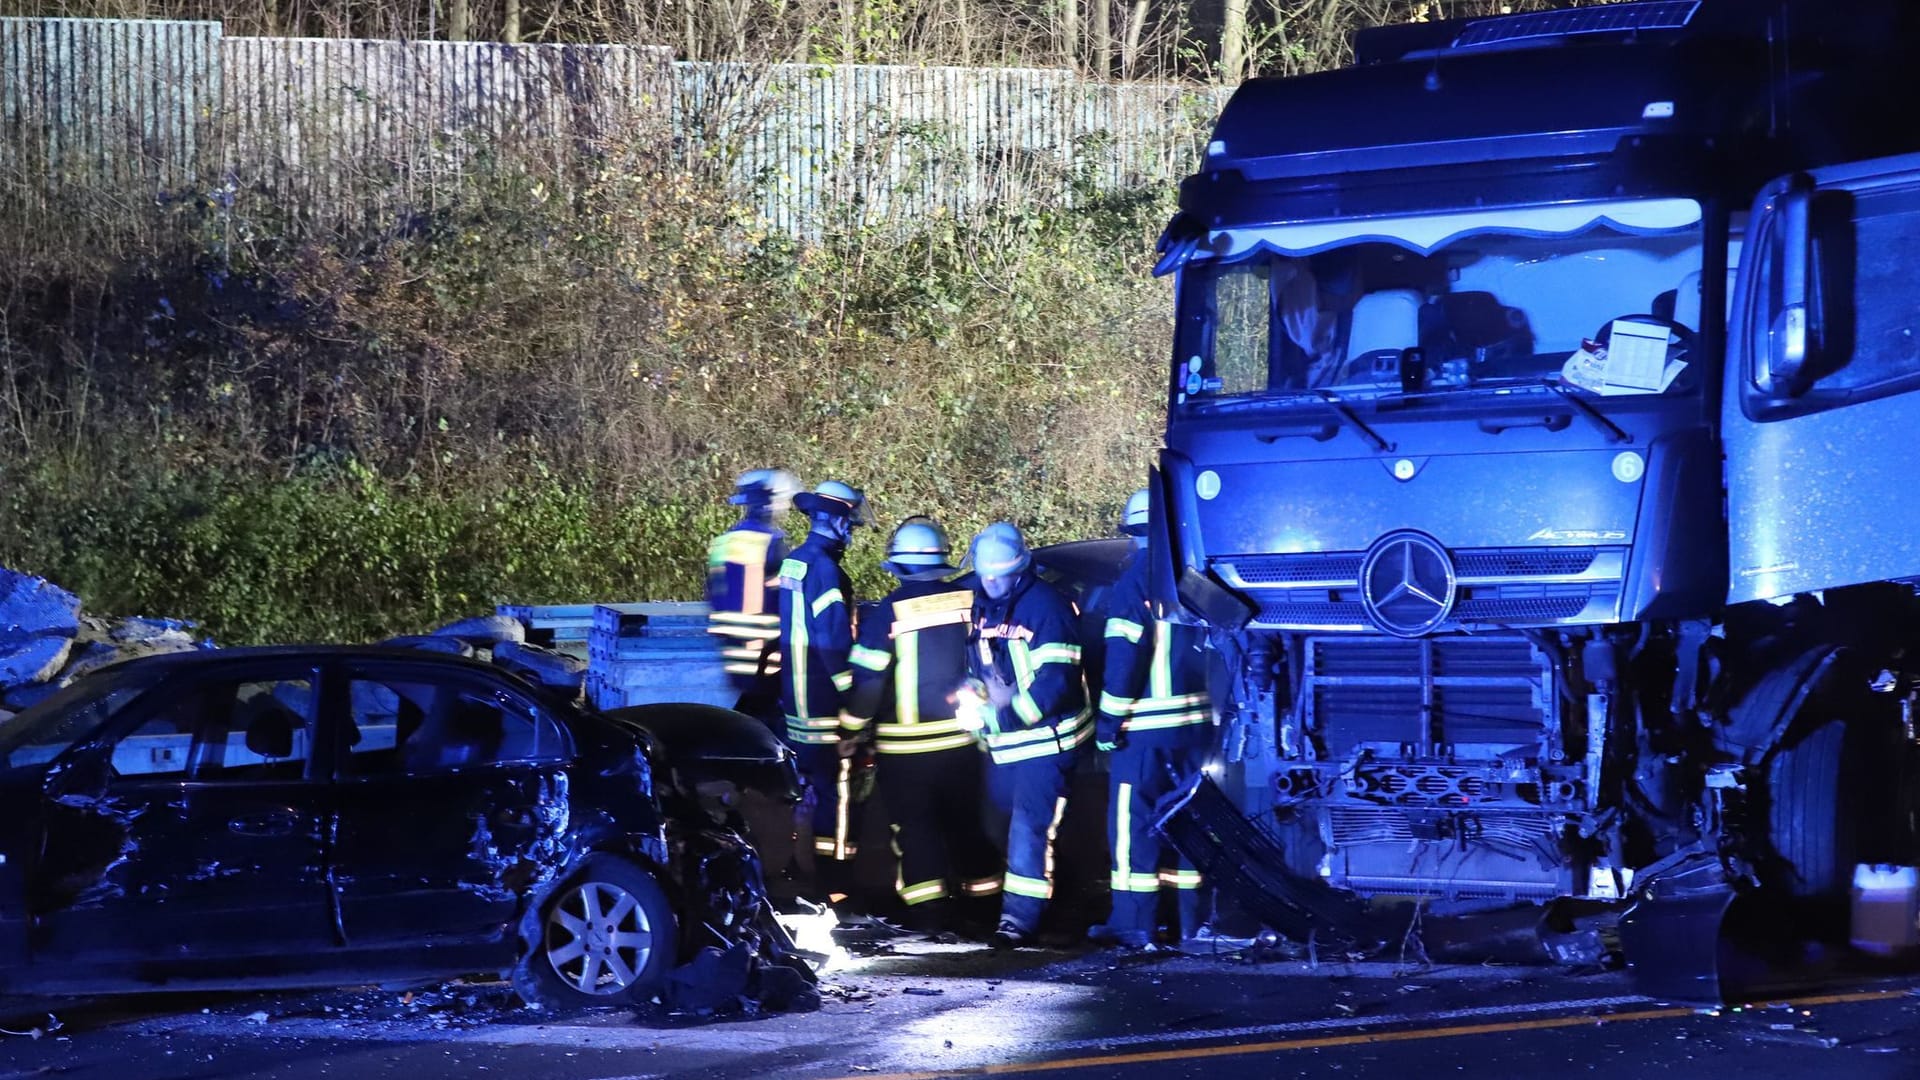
<point x="539" y="389"/>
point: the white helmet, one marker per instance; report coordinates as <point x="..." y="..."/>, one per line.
<point x="1134" y="521"/>
<point x="835" y="498"/>
<point x="774" y="488"/>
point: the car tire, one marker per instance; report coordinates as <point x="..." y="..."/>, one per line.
<point x="606" y="935"/>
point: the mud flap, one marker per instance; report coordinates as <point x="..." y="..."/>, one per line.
<point x="1699" y="939"/>
<point x="1246" y="862"/>
<point x="1673" y="944"/>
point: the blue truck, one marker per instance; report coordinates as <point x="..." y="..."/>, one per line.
<point x="1538" y="440"/>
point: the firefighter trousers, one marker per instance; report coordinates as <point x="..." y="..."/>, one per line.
<point x="933" y="801"/>
<point x="1140" y="774"/>
<point x="1036" y="799"/>
<point x="835" y="819"/>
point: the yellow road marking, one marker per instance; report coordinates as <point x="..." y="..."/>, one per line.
<point x="1323" y="1042"/>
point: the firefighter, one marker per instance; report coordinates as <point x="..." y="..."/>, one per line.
<point x="743" y="603"/>
<point x="1155" y="723"/>
<point x="912" y="649"/>
<point x="1027" y="697"/>
<point x="816" y="638"/>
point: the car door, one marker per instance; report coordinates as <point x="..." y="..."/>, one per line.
<point x="450" y="798"/>
<point x="1822" y="390"/>
<point x="191" y="831"/>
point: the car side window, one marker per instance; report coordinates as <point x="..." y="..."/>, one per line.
<point x="242" y="730"/>
<point x="402" y="726"/>
<point x="263" y="732"/>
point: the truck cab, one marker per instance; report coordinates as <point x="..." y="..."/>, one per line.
<point x="1534" y="451"/>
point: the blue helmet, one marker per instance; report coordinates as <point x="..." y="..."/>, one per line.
<point x="1000" y="551"/>
<point x="1134" y="521"/>
<point x="919" y="546"/>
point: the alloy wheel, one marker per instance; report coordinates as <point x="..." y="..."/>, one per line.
<point x="598" y="938"/>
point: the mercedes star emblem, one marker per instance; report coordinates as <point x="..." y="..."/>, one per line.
<point x="1407" y="584"/>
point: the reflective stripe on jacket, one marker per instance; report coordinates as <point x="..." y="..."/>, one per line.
<point x="913" y="643"/>
<point x="1031" y="640"/>
<point x="743" y="604"/>
<point x="816" y="636"/>
<point x="1154" y="671"/>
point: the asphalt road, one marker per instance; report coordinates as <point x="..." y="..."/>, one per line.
<point x="931" y="1011"/>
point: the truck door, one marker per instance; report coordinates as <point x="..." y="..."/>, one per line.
<point x="1822" y="391"/>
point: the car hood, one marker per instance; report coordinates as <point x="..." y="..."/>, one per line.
<point x="704" y="743"/>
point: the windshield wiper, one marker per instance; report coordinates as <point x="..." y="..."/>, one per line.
<point x="1340" y="409"/>
<point x="1612" y="430"/>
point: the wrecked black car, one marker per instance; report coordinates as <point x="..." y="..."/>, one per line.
<point x="315" y="815"/>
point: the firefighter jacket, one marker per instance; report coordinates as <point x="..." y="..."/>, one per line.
<point x="912" y="649"/>
<point x="1031" y="641"/>
<point x="743" y="602"/>
<point x="816" y="635"/>
<point x="1155" y="671"/>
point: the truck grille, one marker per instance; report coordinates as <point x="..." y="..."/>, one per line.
<point x="1498" y="587"/>
<point x="1471" y="697"/>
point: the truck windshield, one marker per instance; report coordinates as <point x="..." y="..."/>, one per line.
<point x="1413" y="307"/>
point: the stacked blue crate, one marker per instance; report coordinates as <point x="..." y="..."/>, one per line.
<point x="563" y="627"/>
<point x="638" y="654"/>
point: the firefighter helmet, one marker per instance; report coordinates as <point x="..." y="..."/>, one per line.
<point x="834" y="499"/>
<point x="1134" y="521"/>
<point x="774" y="488"/>
<point x="919" y="545"/>
<point x="1000" y="551"/>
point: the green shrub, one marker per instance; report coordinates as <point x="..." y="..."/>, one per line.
<point x="289" y="431"/>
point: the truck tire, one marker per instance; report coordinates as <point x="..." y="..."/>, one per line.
<point x="1813" y="812"/>
<point x="605" y="936"/>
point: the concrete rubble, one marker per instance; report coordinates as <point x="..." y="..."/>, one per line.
<point x="47" y="641"/>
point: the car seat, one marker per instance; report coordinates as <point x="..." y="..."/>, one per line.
<point x="1384" y="323"/>
<point x="270" y="731"/>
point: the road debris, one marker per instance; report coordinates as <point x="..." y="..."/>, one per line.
<point x="38" y="1031"/>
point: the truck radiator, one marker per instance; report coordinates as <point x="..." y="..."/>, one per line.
<point x="1454" y="854"/>
<point x="1465" y="697"/>
<point x="1514" y="833"/>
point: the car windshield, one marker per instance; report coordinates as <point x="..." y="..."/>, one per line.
<point x="1405" y="308"/>
<point x="43" y="732"/>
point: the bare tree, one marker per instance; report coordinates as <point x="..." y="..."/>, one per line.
<point x="1233" y="41"/>
<point x="1101" y="24"/>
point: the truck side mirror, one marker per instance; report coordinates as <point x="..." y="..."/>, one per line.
<point x="1220" y="606"/>
<point x="1790" y="334"/>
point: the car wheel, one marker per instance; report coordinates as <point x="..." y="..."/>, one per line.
<point x="605" y="936"/>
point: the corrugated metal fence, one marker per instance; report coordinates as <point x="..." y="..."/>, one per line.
<point x="345" y="127"/>
<point x="128" y="103"/>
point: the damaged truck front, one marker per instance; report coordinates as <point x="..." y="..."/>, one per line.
<point x="1534" y="452"/>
